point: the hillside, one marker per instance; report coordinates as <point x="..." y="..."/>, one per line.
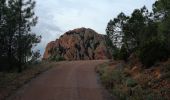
<point x="78" y="44"/>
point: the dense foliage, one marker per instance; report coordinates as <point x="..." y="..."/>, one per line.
<point x="16" y="38"/>
<point x="144" y="33"/>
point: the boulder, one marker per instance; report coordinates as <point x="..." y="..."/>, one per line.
<point x="79" y="44"/>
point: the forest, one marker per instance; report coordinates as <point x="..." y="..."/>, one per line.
<point x="143" y="33"/>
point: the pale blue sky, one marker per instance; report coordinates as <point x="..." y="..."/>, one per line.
<point x="59" y="16"/>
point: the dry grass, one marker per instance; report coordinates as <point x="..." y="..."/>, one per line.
<point x="10" y="82"/>
<point x="136" y="83"/>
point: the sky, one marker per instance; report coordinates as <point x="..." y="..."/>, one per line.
<point x="58" y="16"/>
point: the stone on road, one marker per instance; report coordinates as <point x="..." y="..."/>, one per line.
<point x="74" y="80"/>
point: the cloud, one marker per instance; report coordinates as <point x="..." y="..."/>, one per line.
<point x="59" y="16"/>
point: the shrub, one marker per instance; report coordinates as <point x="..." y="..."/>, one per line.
<point x="119" y="93"/>
<point x="117" y="76"/>
<point x="120" y="54"/>
<point x="153" y="51"/>
<point x="124" y="87"/>
<point x="56" y="58"/>
<point x="131" y="82"/>
<point x="101" y="69"/>
<point x="109" y="78"/>
<point x="116" y="53"/>
<point x="123" y="55"/>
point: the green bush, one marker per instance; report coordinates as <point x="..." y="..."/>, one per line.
<point x="152" y="52"/>
<point x="121" y="54"/>
<point x="115" y="53"/>
<point x="121" y="95"/>
<point x="117" y="76"/>
<point x="131" y="82"/>
<point x="56" y="58"/>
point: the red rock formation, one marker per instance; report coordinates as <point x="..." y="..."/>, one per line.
<point x="78" y="44"/>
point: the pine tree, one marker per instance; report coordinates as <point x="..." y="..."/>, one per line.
<point x="25" y="38"/>
<point x="2" y="26"/>
<point x="161" y="10"/>
<point x="114" y="29"/>
<point x="17" y="40"/>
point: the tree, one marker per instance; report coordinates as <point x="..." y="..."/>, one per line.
<point x="135" y="29"/>
<point x="36" y="55"/>
<point x="115" y="34"/>
<point x="144" y="33"/>
<point x="114" y="29"/>
<point x="17" y="40"/>
<point x="25" y="20"/>
<point x="161" y="10"/>
<point x="2" y="26"/>
<point x="3" y="37"/>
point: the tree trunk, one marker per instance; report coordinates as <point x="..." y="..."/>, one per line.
<point x="19" y="39"/>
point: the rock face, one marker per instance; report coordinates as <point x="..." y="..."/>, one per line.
<point x="78" y="44"/>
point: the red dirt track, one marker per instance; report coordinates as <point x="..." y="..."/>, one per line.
<point x="74" y="80"/>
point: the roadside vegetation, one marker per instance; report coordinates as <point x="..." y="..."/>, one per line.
<point x="11" y="81"/>
<point x="56" y="58"/>
<point x="140" y="45"/>
<point x="143" y="33"/>
<point x="19" y="61"/>
<point x="134" y="83"/>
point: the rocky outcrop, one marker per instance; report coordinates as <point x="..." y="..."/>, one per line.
<point x="78" y="44"/>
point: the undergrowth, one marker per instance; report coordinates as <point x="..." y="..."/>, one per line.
<point x="125" y="87"/>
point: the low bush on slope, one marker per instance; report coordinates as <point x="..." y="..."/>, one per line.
<point x="134" y="83"/>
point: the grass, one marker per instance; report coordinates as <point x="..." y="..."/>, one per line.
<point x="125" y="86"/>
<point x="10" y="82"/>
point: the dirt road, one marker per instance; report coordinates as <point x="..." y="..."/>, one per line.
<point x="74" y="80"/>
